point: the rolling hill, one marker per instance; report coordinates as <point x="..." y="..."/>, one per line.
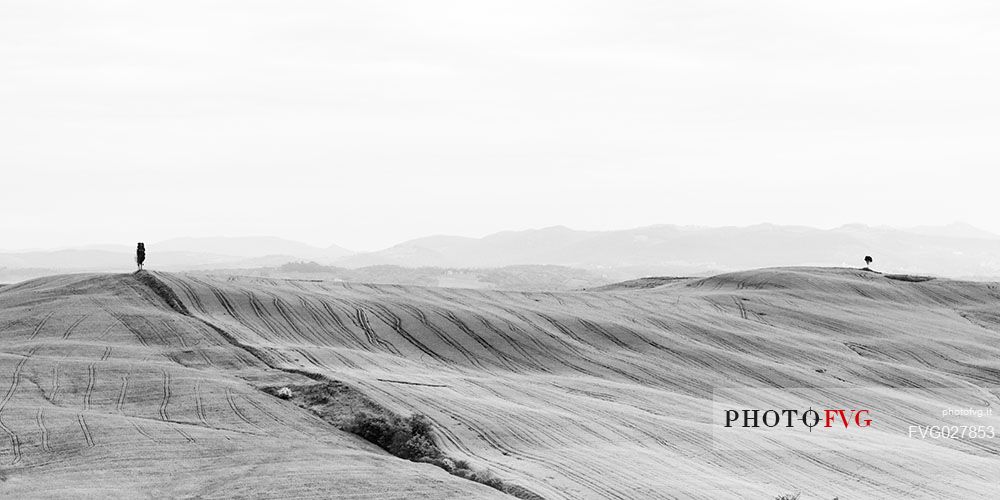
<point x="152" y="382"/>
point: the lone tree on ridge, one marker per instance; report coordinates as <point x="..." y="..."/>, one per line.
<point x="868" y="260"/>
<point x="140" y="255"/>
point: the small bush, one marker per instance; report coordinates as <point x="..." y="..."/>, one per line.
<point x="444" y="463"/>
<point x="419" y="425"/>
<point x="481" y="476"/>
<point x="522" y="492"/>
<point x="408" y="438"/>
<point x="419" y="446"/>
<point x="411" y="438"/>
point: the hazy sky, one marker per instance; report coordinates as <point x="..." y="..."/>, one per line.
<point x="364" y="123"/>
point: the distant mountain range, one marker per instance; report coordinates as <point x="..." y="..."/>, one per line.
<point x="956" y="250"/>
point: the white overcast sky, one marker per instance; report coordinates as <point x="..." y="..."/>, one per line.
<point x="364" y="123"/>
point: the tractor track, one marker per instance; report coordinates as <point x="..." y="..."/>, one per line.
<point x="76" y="323"/>
<point x="15" y="380"/>
<point x="122" y="393"/>
<point x="199" y="405"/>
<point x="236" y="410"/>
<point x="43" y="431"/>
<point x="91" y="381"/>
<point x="40" y="325"/>
<point x="86" y="430"/>
<point x="166" y="396"/>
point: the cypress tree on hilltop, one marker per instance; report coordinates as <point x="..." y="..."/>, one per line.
<point x="140" y="255"/>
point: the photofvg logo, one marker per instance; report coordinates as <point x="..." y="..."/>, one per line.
<point x="862" y="419"/>
<point x="825" y="418"/>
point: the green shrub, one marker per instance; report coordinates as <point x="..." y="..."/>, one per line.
<point x="481" y="476"/>
<point x="419" y="425"/>
<point x="408" y="438"/>
<point x="417" y="447"/>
